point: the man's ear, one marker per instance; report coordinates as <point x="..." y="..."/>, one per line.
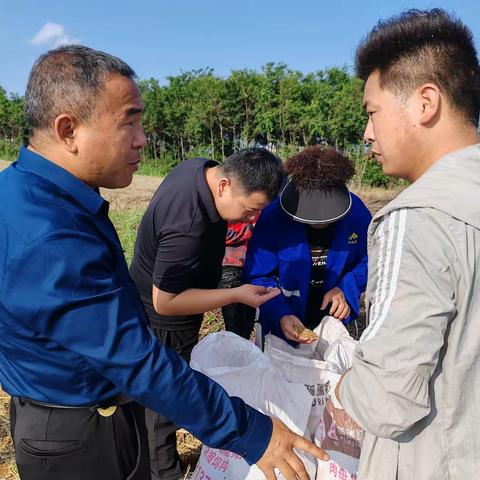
<point x="65" y="129"/>
<point x="223" y="184"/>
<point x="430" y="103"/>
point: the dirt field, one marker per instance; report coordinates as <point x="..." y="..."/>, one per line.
<point x="137" y="195"/>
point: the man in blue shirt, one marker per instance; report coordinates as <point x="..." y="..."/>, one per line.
<point x="75" y="342"/>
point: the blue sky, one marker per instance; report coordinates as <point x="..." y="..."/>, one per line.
<point x="162" y="38"/>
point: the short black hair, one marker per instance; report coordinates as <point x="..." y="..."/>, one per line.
<point x="256" y="170"/>
<point x="68" y="80"/>
<point x="420" y="46"/>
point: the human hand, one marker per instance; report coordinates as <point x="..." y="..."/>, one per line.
<point x="339" y="309"/>
<point x="254" y="295"/>
<point x="291" y="326"/>
<point x="279" y="454"/>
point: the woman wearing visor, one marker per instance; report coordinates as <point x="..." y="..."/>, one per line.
<point x="311" y="242"/>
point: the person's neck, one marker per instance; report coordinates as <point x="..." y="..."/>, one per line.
<point x="47" y="150"/>
<point x="41" y="145"/>
<point x="443" y="142"/>
<point x="211" y="179"/>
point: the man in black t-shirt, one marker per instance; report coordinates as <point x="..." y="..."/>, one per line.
<point x="178" y="256"/>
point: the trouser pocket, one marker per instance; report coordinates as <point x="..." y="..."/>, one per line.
<point x="45" y="448"/>
<point x="77" y="444"/>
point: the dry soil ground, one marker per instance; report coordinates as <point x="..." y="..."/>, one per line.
<point x="137" y="195"/>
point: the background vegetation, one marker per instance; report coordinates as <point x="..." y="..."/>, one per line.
<point x="199" y="113"/>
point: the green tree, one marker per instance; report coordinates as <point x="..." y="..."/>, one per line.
<point x="243" y="87"/>
<point x="12" y="125"/>
<point x="153" y="119"/>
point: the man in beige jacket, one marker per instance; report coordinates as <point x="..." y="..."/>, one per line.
<point x="415" y="382"/>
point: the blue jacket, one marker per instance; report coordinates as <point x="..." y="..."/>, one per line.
<point x="279" y="256"/>
<point x="73" y="327"/>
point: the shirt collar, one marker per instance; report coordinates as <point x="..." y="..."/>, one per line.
<point x="82" y="193"/>
<point x="205" y="193"/>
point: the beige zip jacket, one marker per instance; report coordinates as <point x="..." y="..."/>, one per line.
<point x="415" y="382"/>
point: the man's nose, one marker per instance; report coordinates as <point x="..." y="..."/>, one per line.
<point x="140" y="139"/>
<point x="368" y="134"/>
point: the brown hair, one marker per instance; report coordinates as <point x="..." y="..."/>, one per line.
<point x="319" y="167"/>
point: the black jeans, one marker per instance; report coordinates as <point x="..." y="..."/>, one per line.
<point x="54" y="443"/>
<point x="238" y="318"/>
<point x="165" y="463"/>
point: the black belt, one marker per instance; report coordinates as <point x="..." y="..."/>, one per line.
<point x="115" y="401"/>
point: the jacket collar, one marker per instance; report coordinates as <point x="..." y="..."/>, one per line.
<point x="32" y="162"/>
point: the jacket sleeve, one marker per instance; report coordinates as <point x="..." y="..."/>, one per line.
<point x="354" y="280"/>
<point x="411" y="302"/>
<point x="82" y="303"/>
<point x="261" y="268"/>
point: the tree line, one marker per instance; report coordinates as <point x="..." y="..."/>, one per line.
<point x="199" y="113"/>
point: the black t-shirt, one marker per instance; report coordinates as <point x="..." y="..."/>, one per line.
<point x="180" y="242"/>
<point x="320" y="242"/>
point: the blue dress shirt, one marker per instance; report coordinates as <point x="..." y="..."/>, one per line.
<point x="73" y="330"/>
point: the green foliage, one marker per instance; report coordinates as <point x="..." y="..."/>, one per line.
<point x="126" y="223"/>
<point x="374" y="175"/>
<point x="157" y="167"/>
<point x="199" y="113"/>
<point x="8" y="149"/>
<point x="12" y="125"/>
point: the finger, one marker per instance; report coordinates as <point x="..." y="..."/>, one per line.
<point x="268" y="472"/>
<point x="294" y="328"/>
<point x="261" y="299"/>
<point x="305" y="445"/>
<point x="297" y="466"/>
<point x="287" y="471"/>
<point x="261" y="290"/>
<point x="300" y="340"/>
<point x="326" y="300"/>
<point x="343" y="311"/>
<point x="291" y="335"/>
<point x="346" y="311"/>
<point x="334" y="307"/>
<point x="273" y="291"/>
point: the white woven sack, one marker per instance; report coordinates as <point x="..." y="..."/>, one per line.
<point x="244" y="371"/>
<point x="308" y="364"/>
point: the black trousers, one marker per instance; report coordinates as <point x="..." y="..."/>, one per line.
<point x="54" y="443"/>
<point x="238" y="318"/>
<point x="165" y="462"/>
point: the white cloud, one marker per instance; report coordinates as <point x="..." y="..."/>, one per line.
<point x="65" y="40"/>
<point x="53" y="33"/>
